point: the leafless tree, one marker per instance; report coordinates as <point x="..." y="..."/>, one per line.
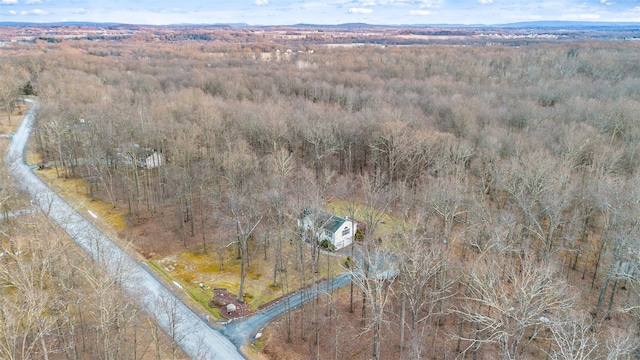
<point x="510" y="311"/>
<point x="246" y="215"/>
<point x="373" y="273"/>
<point x="423" y="282"/>
<point x="167" y="310"/>
<point x="13" y="78"/>
<point x="573" y="338"/>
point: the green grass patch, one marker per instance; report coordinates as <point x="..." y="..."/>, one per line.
<point x="274" y="287"/>
<point x="199" y="295"/>
<point x="202" y="297"/>
<point x="266" y="295"/>
<point x="159" y="268"/>
<point x="194" y="267"/>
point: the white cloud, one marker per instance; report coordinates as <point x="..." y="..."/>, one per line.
<point x="34" y="12"/>
<point x="260" y="2"/>
<point x="80" y="11"/>
<point x="429" y="3"/>
<point x="419" y="12"/>
<point x="9" y="2"/>
<point x="12" y="13"/>
<point x="485" y="2"/>
<point x="360" y="11"/>
<point x="419" y="3"/>
<point x="33" y="2"/>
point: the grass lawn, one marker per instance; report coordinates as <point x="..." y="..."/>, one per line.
<point x="10" y="126"/>
<point x="191" y="268"/>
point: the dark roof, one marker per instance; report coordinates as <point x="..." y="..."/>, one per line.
<point x="325" y="220"/>
<point x="333" y="222"/>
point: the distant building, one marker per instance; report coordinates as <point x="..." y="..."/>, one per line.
<point x="320" y="225"/>
<point x="152" y="161"/>
<point x="144" y="158"/>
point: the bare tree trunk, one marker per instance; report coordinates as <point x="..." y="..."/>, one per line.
<point x="351" y="283"/>
<point x="605" y="284"/>
<point x="402" y="319"/>
<point x="613" y="293"/>
<point x="595" y="271"/>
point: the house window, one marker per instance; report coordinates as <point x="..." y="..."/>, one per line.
<point x="346" y="231"/>
<point x="327" y="233"/>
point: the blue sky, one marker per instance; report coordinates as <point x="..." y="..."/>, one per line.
<point x="287" y="12"/>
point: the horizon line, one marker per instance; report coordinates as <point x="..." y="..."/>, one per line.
<point x="541" y="23"/>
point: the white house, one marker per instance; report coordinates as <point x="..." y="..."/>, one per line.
<point x="152" y="161"/>
<point x="143" y="158"/>
<point x="338" y="231"/>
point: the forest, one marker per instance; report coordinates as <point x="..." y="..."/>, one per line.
<point x="500" y="182"/>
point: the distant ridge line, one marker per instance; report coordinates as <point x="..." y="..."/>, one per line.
<point x="549" y="24"/>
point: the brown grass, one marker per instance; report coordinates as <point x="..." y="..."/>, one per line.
<point x="191" y="268"/>
<point x="74" y="192"/>
<point x="10" y="126"/>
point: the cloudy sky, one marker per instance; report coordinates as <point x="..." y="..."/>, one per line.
<point x="286" y="12"/>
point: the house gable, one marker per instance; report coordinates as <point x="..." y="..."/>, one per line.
<point x="335" y="229"/>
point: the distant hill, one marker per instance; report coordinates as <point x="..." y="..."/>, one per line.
<point x="568" y="24"/>
<point x="66" y="23"/>
<point x="214" y="25"/>
<point x="343" y="26"/>
<point x="536" y="25"/>
<point x="518" y="25"/>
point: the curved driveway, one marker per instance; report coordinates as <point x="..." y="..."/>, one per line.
<point x="192" y="333"/>
<point x="241" y="331"/>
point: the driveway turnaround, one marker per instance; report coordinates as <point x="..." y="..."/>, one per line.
<point x="192" y="332"/>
